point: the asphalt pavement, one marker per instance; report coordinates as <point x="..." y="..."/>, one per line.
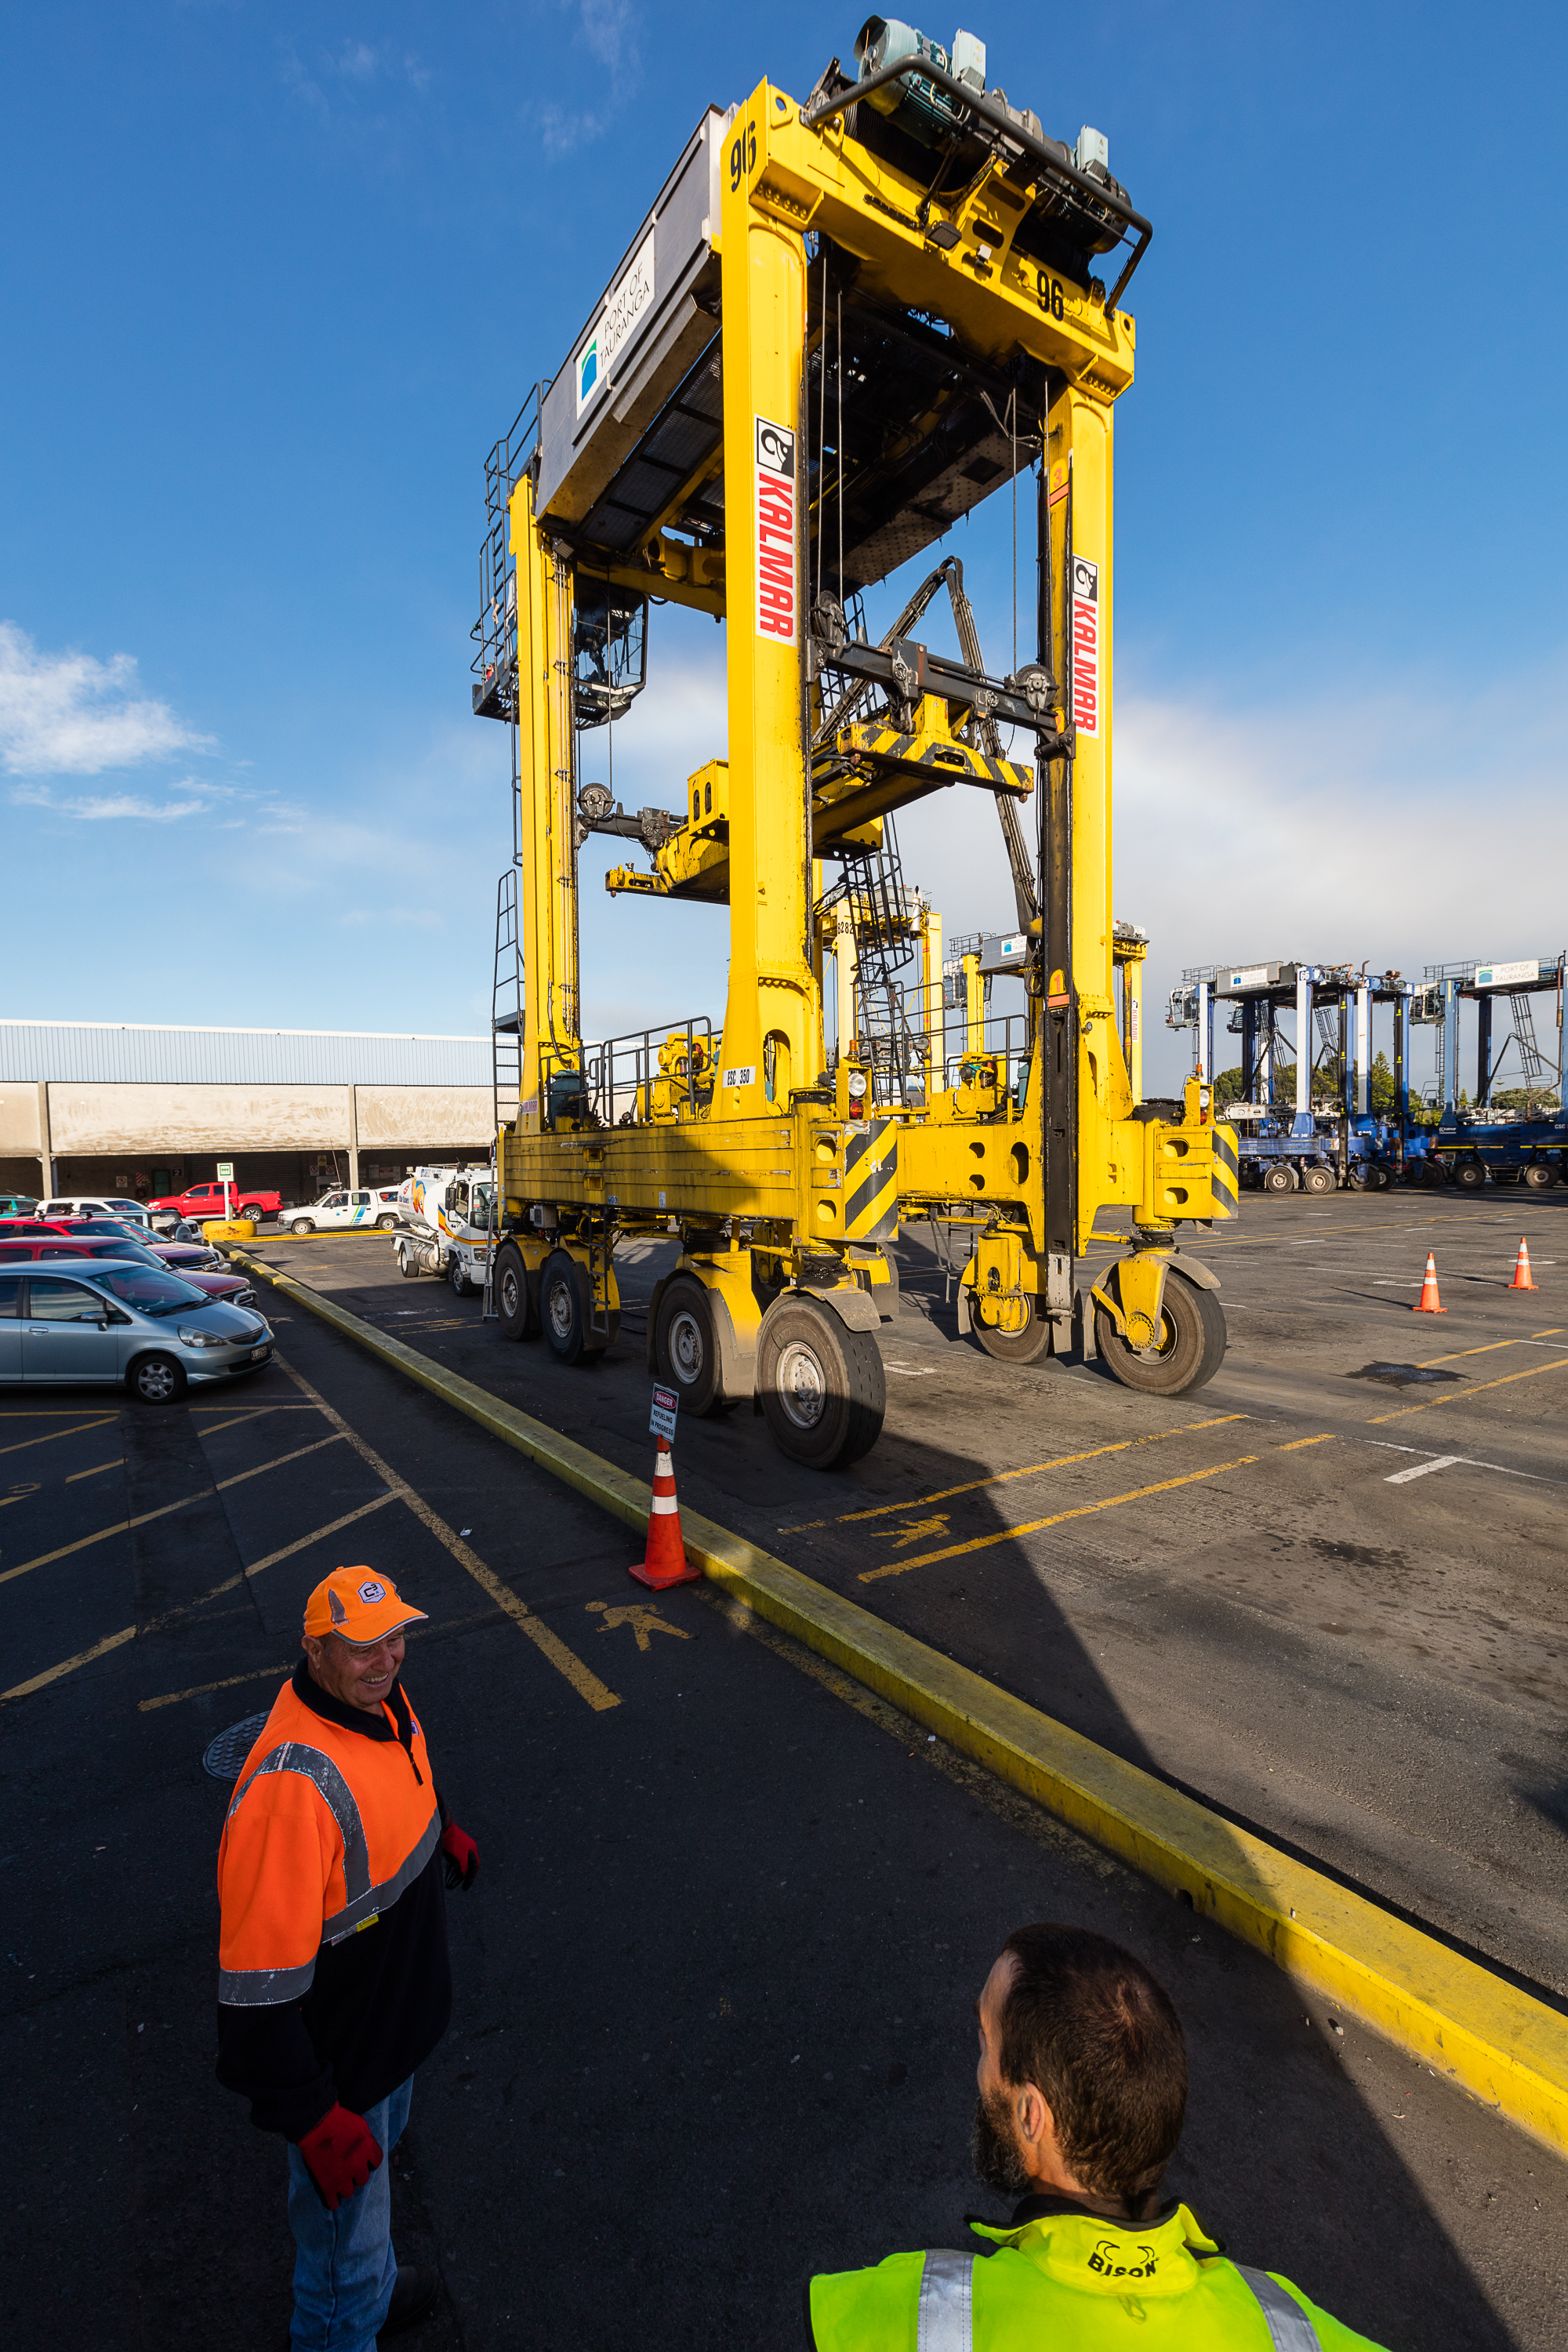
<point x="713" y="2019"/>
<point x="1323" y="1593"/>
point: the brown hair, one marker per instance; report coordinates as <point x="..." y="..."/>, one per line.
<point x="1089" y="2026"/>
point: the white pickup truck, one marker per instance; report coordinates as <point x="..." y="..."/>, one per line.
<point x="335" y="1212"/>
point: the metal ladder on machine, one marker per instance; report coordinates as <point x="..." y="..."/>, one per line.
<point x="872" y="882"/>
<point x="1540" y="1074"/>
<point x="506" y="1058"/>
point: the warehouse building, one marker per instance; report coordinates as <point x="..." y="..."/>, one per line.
<point x="93" y="1105"/>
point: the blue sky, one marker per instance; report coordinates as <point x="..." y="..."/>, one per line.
<point x="273" y="278"/>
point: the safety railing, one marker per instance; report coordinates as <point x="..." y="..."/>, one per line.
<point x="944" y="1039"/>
<point x="618" y="1073"/>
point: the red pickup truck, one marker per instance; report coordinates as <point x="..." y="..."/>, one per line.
<point x="207" y="1200"/>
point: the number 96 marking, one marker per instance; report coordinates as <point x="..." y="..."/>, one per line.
<point x="743" y="154"/>
<point x="1049" y="294"/>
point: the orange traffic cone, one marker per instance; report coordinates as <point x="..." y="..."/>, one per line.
<point x="1522" y="1277"/>
<point x="1429" y="1303"/>
<point x="666" y="1563"/>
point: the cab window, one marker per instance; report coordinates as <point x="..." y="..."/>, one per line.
<point x="362" y="1200"/>
<point x="50" y="1300"/>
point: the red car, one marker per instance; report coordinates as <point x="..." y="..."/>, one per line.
<point x="232" y="1289"/>
<point x="207" y="1200"/>
<point x="180" y="1255"/>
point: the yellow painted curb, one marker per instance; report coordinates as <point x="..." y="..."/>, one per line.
<point x="1501" y="2045"/>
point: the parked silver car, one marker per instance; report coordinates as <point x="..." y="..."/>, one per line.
<point x="111" y="1322"/>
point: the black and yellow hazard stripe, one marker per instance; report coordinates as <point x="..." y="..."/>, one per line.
<point x="952" y="758"/>
<point x="1226" y="1178"/>
<point x="871" y="1182"/>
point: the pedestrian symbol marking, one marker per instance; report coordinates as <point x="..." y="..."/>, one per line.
<point x="912" y="1534"/>
<point x="643" y="1621"/>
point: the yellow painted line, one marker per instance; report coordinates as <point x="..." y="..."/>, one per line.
<point x="320" y="1535"/>
<point x="1490" y="1348"/>
<point x="584" y="1681"/>
<point x="70" y="1665"/>
<point x="83" y="1543"/>
<point x="238" y="1419"/>
<point x="200" y="1690"/>
<point x="1493" y="2040"/>
<point x="1296" y="1443"/>
<point x="122" y="1526"/>
<point x="98" y="1470"/>
<point x="1461" y="1396"/>
<point x="50" y="1436"/>
<point x="114" y="1641"/>
<point x="1033" y="1526"/>
<point x="240" y="1477"/>
<point x="1000" y="1478"/>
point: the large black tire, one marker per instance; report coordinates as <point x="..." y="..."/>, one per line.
<point x="1469" y="1175"/>
<point x="822" y="1389"/>
<point x="407" y="1264"/>
<point x="516" y="1303"/>
<point x="1316" y="1178"/>
<point x="1025" y="1347"/>
<point x="1279" y="1177"/>
<point x="1539" y="1175"/>
<point x="564" y="1308"/>
<point x="686" y="1345"/>
<point x="457" y="1276"/>
<point x="1188" y="1352"/>
<point x="156" y="1379"/>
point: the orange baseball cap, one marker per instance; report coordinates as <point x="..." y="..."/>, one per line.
<point x="359" y="1605"/>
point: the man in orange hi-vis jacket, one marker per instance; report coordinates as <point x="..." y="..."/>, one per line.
<point x="333" y="1980"/>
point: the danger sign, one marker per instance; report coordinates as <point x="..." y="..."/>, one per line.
<point x="1085" y="646"/>
<point x="776" y="533"/>
<point x="662" y="1420"/>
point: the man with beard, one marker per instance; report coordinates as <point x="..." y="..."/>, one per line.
<point x="1083" y="2088"/>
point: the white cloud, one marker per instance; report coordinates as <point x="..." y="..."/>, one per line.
<point x="69" y="714"/>
<point x="607" y="30"/>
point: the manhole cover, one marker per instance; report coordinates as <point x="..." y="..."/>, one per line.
<point x="227" y="1752"/>
<point x="1402" y="1376"/>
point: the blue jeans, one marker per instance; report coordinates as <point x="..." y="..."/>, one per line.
<point x="345" y="2268"/>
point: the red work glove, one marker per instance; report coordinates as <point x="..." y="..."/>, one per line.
<point x="462" y="1856"/>
<point x="341" y="2153"/>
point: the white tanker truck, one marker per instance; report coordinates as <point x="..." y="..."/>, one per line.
<point x="448" y="1231"/>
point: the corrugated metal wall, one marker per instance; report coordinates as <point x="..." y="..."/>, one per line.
<point x="97" y="1052"/>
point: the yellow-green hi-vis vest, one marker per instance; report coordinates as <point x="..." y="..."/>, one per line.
<point x="1075" y="2284"/>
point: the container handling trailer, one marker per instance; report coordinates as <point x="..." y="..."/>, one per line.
<point x="842" y="325"/>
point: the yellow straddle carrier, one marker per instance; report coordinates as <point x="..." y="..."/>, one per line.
<point x="841" y="326"/>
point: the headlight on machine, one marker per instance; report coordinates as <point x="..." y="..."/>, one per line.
<point x="191" y="1337"/>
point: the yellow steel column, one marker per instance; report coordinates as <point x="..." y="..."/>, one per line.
<point x="935" y="1017"/>
<point x="771" y="1019"/>
<point x="1132" y="995"/>
<point x="844" y="958"/>
<point x="974" y="1006"/>
<point x="1080" y="452"/>
<point x="548" y="908"/>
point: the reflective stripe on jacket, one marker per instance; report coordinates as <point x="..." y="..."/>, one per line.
<point x="1071" y="2280"/>
<point x="324" y="1831"/>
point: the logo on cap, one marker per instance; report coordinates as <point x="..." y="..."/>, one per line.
<point x="372" y="1592"/>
